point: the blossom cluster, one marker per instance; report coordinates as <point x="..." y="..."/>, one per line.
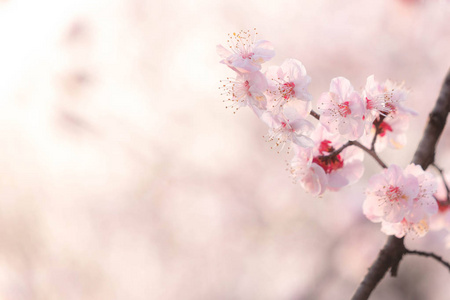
<point x="402" y="200"/>
<point x="325" y="155"/>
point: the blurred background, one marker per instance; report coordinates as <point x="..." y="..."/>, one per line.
<point x="124" y="176"/>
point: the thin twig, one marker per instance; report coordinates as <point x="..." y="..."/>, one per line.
<point x="371" y="153"/>
<point x="377" y="124"/>
<point x="355" y="143"/>
<point x="314" y="114"/>
<point x="443" y="179"/>
<point x="338" y="150"/>
<point x="372" y="146"/>
<point x="429" y="254"/>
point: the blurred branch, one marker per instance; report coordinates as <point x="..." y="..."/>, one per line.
<point x="425" y="152"/>
<point x="429" y="254"/>
<point x="390" y="256"/>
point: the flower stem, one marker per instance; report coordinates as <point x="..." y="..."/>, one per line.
<point x="371" y="152"/>
<point x="377" y="124"/>
<point x="429" y="254"/>
<point x="314" y="114"/>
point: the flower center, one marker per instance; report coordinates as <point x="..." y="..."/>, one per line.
<point x="326" y="162"/>
<point x="247" y="55"/>
<point x="383" y="127"/>
<point x="369" y="104"/>
<point x="394" y="193"/>
<point x="344" y="109"/>
<point x="287" y="90"/>
<point x="247" y="88"/>
<point x="389" y="107"/>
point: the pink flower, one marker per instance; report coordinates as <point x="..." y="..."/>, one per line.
<point x="402" y="200"/>
<point x="244" y="55"/>
<point x="392" y="132"/>
<point x="400" y="229"/>
<point x="246" y="90"/>
<point x="289" y="126"/>
<point x="311" y="176"/>
<point x="383" y="99"/>
<point x="390" y="195"/>
<point x="287" y="83"/>
<point x="342" y="110"/>
<point x="395" y="94"/>
<point x="323" y="170"/>
<point x="376" y="100"/>
<point x="424" y="204"/>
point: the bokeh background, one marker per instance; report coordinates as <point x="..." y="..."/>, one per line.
<point x="123" y="176"/>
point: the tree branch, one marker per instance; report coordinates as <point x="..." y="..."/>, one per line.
<point x="429" y="254"/>
<point x="371" y="152"/>
<point x="390" y="256"/>
<point x="314" y="114"/>
<point x="424" y="155"/>
<point x="377" y="124"/>
<point x="340" y="149"/>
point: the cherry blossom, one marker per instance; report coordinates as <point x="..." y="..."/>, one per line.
<point x="424" y="204"/>
<point x="325" y="169"/>
<point x="395" y="94"/>
<point x="342" y="110"/>
<point x="402" y="200"/>
<point x="287" y="83"/>
<point x="246" y="90"/>
<point x="377" y="101"/>
<point x="289" y="126"/>
<point x="244" y="54"/>
<point x="400" y="229"/>
<point x="382" y="99"/>
<point x="389" y="195"/>
<point x="310" y="175"/>
<point x="391" y="131"/>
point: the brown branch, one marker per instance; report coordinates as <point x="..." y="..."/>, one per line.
<point x="340" y="149"/>
<point x="314" y="114"/>
<point x="371" y="152"/>
<point x="424" y="155"/>
<point x="377" y="124"/>
<point x="390" y="256"/>
<point x="429" y="254"/>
